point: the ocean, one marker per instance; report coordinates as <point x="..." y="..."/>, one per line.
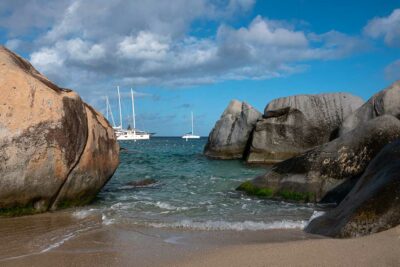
<point x="191" y="191"/>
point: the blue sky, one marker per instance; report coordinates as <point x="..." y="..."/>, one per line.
<point x="182" y="56"/>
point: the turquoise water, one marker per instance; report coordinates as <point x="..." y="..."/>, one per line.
<point x="191" y="192"/>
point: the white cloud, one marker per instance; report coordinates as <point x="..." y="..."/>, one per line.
<point x="92" y="44"/>
<point x="386" y="27"/>
<point x="392" y="71"/>
<point x="47" y="59"/>
<point x="145" y="45"/>
<point x="262" y="32"/>
<point x="13" y="44"/>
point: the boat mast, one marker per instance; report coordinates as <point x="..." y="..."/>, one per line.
<point x="192" y="124"/>
<point x="133" y="112"/>
<point x="109" y="111"/>
<point x="120" y="112"/>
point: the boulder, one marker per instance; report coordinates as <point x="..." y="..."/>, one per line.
<point x="386" y="101"/>
<point x="47" y="133"/>
<point x="317" y="173"/>
<point x="229" y="137"/>
<point x="373" y="205"/>
<point x="294" y="124"/>
<point x="96" y="164"/>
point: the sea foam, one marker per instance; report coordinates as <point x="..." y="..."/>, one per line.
<point x="236" y="226"/>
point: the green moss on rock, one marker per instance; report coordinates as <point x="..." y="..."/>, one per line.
<point x="18" y="211"/>
<point x="250" y="189"/>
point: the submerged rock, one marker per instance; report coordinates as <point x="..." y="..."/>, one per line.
<point x="373" y="205"/>
<point x="229" y="137"/>
<point x="53" y="146"/>
<point x="294" y="124"/>
<point x="384" y="102"/>
<point x="143" y="183"/>
<point x="311" y="175"/>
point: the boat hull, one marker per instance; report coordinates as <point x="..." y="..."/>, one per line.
<point x="190" y="137"/>
<point x="131" y="136"/>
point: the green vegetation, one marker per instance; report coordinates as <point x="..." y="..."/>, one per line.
<point x="18" y="211"/>
<point x="251" y="189"/>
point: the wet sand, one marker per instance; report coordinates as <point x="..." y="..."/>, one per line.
<point x="60" y="239"/>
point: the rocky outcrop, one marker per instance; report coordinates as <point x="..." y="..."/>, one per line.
<point x="373" y="205"/>
<point x="384" y="102"/>
<point x="53" y="147"/>
<point x="293" y="124"/>
<point x="229" y="137"/>
<point x="314" y="174"/>
<point x="96" y="164"/>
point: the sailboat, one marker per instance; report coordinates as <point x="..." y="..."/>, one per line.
<point x="190" y="135"/>
<point x="129" y="134"/>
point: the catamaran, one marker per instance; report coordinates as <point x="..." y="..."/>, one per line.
<point x="126" y="134"/>
<point x="191" y="135"/>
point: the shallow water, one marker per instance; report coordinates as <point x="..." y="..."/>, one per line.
<point x="191" y="192"/>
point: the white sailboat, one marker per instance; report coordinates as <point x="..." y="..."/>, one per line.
<point x="129" y="134"/>
<point x="191" y="135"/>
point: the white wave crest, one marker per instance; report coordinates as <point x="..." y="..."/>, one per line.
<point x="106" y="221"/>
<point x="81" y="214"/>
<point x="237" y="226"/>
<point x="316" y="214"/>
<point x="167" y="206"/>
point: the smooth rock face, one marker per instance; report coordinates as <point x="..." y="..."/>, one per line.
<point x="313" y="174"/>
<point x="373" y="205"/>
<point x="293" y="124"/>
<point x="386" y="101"/>
<point x="44" y="132"/>
<point x="96" y="164"/>
<point x="229" y="137"/>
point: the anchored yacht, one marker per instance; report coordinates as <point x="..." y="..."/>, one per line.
<point x="191" y="135"/>
<point x="126" y="134"/>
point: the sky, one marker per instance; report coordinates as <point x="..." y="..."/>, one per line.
<point x="181" y="56"/>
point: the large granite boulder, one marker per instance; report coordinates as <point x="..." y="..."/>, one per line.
<point x="328" y="171"/>
<point x="386" y="101"/>
<point x="229" y="137"/>
<point x="49" y="139"/>
<point x="293" y="124"/>
<point x="373" y="205"/>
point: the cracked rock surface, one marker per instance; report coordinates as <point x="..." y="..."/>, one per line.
<point x="55" y="150"/>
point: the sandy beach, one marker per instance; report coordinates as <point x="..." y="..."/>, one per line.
<point x="382" y="249"/>
<point x="59" y="239"/>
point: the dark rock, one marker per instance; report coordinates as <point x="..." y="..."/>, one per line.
<point x="294" y="124"/>
<point x="373" y="205"/>
<point x="142" y="183"/>
<point x="384" y="102"/>
<point x="311" y="175"/>
<point x="229" y="137"/>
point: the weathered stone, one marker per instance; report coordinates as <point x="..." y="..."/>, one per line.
<point x="294" y="124"/>
<point x="373" y="205"/>
<point x="43" y="133"/>
<point x="96" y="164"/>
<point x="384" y="102"/>
<point x="313" y="174"/>
<point x="229" y="137"/>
